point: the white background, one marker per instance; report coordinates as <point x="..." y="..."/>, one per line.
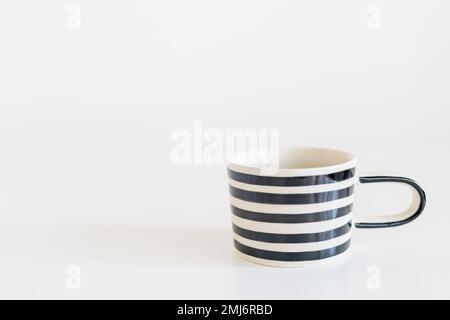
<point x="86" y="116"/>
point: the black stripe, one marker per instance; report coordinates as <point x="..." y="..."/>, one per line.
<point x="292" y="256"/>
<point x="292" y="218"/>
<point x="291" y="181"/>
<point x="292" y="238"/>
<point x="295" y="198"/>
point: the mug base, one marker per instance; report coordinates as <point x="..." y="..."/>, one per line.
<point x="294" y="264"/>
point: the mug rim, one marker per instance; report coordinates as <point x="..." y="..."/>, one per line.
<point x="262" y="170"/>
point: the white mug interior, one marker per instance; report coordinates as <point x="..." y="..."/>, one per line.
<point x="291" y="161"/>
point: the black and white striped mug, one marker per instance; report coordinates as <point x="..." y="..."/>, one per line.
<point x="299" y="212"/>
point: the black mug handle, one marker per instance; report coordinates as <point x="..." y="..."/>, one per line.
<point x="413" y="216"/>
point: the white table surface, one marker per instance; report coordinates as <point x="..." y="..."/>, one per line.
<point x="114" y="217"/>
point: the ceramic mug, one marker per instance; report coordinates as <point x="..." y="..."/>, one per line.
<point x="299" y="212"/>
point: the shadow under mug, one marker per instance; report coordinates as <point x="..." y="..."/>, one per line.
<point x="299" y="212"/>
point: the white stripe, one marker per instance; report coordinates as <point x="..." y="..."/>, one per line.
<point x="291" y="190"/>
<point x="291" y="228"/>
<point x="294" y="247"/>
<point x="272" y="263"/>
<point x="291" y="208"/>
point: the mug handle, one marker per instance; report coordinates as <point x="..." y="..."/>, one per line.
<point x="410" y="217"/>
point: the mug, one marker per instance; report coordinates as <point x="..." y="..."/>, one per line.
<point x="299" y="211"/>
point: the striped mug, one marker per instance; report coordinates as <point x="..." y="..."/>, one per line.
<point x="299" y="212"/>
